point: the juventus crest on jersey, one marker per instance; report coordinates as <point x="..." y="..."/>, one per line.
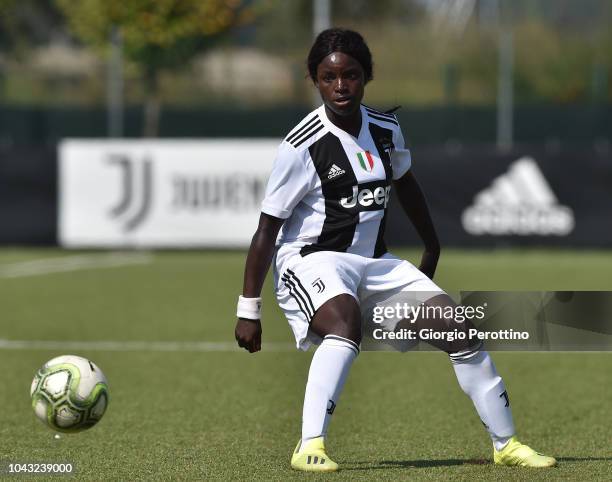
<point x="332" y="188"/>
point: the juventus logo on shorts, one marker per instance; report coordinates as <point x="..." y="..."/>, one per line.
<point x="331" y="406"/>
<point x="319" y="285"/>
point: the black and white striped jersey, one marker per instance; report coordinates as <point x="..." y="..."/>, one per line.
<point x="332" y="188"/>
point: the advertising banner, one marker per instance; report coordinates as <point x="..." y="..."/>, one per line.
<point x="530" y="196"/>
<point x="208" y="193"/>
<point x="161" y="193"/>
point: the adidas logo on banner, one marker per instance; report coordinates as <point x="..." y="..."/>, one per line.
<point x="335" y="171"/>
<point x="519" y="202"/>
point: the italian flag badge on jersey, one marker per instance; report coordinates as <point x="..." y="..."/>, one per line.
<point x="366" y="160"/>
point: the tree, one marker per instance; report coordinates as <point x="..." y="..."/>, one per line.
<point x="26" y="23"/>
<point x="157" y="35"/>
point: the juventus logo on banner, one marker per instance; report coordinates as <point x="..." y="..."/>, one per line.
<point x="136" y="192"/>
<point x="161" y="192"/>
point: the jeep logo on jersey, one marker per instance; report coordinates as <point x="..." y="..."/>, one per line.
<point x="366" y="161"/>
<point x="372" y="198"/>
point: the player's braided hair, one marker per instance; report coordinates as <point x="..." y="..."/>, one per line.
<point x="339" y="40"/>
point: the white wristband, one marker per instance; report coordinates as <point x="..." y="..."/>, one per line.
<point x="249" y="308"/>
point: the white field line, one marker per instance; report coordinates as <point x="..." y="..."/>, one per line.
<point x="64" y="264"/>
<point x="155" y="346"/>
<point x="193" y="346"/>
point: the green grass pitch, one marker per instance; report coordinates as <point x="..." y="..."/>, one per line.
<point x="188" y="414"/>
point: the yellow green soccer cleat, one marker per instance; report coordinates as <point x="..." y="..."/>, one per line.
<point x="311" y="457"/>
<point x="517" y="454"/>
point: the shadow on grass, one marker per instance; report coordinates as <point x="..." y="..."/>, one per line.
<point x="388" y="464"/>
<point x="584" y="459"/>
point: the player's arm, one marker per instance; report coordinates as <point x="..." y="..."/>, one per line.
<point x="413" y="202"/>
<point x="259" y="258"/>
<point x="287" y="185"/>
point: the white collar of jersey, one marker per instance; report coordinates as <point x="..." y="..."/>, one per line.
<point x="339" y="132"/>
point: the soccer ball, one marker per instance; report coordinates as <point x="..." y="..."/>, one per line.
<point x="69" y="393"/>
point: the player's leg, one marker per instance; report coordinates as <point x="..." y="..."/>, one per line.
<point x="473" y="366"/>
<point x="338" y="323"/>
<point x="475" y="372"/>
<point x="478" y="378"/>
<point x="322" y="285"/>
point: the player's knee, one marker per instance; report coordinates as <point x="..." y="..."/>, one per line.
<point x="340" y="316"/>
<point x="350" y="329"/>
<point x="346" y="324"/>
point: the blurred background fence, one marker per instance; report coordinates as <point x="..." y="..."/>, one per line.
<point x="486" y="80"/>
<point x="561" y="125"/>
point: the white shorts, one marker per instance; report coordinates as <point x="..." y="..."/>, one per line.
<point x="303" y="284"/>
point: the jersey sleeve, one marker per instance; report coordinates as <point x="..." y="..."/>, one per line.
<point x="287" y="185"/>
<point x="401" y="160"/>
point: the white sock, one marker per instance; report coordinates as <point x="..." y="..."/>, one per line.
<point x="479" y="380"/>
<point x="328" y="371"/>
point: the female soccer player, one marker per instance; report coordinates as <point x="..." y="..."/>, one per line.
<point x="328" y="191"/>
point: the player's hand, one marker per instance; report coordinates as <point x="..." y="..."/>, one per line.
<point x="429" y="262"/>
<point x="248" y="334"/>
